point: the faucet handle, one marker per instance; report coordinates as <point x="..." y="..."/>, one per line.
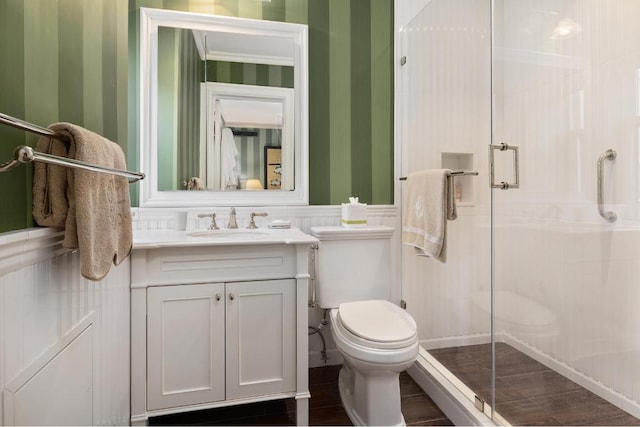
<point x="252" y="223"/>
<point x="213" y="225"/>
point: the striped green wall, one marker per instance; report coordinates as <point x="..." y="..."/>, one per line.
<point x="190" y="73"/>
<point x="168" y="102"/>
<point x="76" y="60"/>
<point x="351" y="100"/>
<point x="62" y="60"/>
<point x="250" y="74"/>
<point x="350" y="88"/>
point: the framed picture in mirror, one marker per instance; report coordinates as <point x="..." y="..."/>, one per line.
<point x="272" y="168"/>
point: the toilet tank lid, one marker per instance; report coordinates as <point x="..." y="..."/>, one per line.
<point x="342" y="233"/>
<point x="377" y="320"/>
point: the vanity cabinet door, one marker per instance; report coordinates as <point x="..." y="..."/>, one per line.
<point x="185" y="345"/>
<point x="261" y="337"/>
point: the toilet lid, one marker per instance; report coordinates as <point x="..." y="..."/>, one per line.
<point x="377" y="320"/>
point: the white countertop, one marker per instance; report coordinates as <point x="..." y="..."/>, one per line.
<point x="151" y="239"/>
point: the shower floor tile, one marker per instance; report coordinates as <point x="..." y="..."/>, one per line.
<point x="324" y="407"/>
<point x="527" y="392"/>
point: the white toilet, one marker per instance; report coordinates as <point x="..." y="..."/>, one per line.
<point x="376" y="338"/>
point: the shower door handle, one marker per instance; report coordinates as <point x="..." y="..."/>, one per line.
<point x="503" y="185"/>
<point x="609" y="215"/>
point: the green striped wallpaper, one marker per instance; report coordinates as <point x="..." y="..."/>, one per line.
<point x="62" y="60"/>
<point x="250" y="74"/>
<point x="76" y="60"/>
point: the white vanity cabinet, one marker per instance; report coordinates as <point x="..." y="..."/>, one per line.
<point x="218" y="325"/>
<point x="185" y="345"/>
<point x="193" y="329"/>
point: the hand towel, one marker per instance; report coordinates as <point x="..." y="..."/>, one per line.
<point x="428" y="204"/>
<point x="230" y="171"/>
<point x="98" y="217"/>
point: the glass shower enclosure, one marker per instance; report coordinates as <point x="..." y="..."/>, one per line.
<point x="535" y="316"/>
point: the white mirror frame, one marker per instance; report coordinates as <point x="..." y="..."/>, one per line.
<point x="150" y="21"/>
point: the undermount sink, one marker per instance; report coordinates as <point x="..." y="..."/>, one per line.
<point x="237" y="233"/>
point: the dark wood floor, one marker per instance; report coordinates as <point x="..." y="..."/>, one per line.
<point x="527" y="392"/>
<point x="324" y="408"/>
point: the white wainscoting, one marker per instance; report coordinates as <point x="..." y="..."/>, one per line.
<point x="61" y="333"/>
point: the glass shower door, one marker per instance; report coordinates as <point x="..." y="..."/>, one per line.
<point x="445" y="118"/>
<point x="566" y="242"/>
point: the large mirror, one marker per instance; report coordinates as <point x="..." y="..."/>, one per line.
<point x="223" y="111"/>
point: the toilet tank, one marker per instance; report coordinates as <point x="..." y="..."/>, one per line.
<point x="352" y="264"/>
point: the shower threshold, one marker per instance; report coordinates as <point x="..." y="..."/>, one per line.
<point x="527" y="391"/>
<point x="451" y="395"/>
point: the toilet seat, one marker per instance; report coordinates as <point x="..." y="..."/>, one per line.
<point x="376" y="324"/>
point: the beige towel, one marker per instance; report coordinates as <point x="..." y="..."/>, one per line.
<point x="50" y="204"/>
<point x="428" y="204"/>
<point x="98" y="206"/>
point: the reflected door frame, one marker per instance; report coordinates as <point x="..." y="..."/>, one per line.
<point x="211" y="130"/>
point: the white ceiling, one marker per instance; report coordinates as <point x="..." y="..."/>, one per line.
<point x="250" y="48"/>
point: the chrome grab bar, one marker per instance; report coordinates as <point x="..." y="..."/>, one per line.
<point x="609" y="216"/>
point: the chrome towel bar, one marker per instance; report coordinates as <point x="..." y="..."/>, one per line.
<point x="29" y="127"/>
<point x="25" y="154"/>
<point x="453" y="173"/>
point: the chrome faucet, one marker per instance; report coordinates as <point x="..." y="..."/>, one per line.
<point x="232" y="219"/>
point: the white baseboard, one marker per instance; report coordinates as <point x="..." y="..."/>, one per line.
<point x="459" y="341"/>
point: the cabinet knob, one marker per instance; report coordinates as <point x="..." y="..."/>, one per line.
<point x="218" y="297"/>
<point x="232" y="297"/>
